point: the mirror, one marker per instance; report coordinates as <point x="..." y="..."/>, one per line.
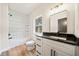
<point x="62" y="25"/>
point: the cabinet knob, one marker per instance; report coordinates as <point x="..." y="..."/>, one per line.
<point x="38" y="45"/>
<point x="53" y="52"/>
<point x="38" y="52"/>
<point x="38" y="39"/>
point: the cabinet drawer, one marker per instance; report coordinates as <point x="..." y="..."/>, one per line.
<point x="69" y="49"/>
<point x="39" y="42"/>
<point x="39" y="49"/>
<point x="39" y="38"/>
<point x="60" y="53"/>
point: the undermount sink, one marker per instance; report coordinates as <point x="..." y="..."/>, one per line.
<point x="57" y="38"/>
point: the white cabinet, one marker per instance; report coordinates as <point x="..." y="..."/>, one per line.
<point x="54" y="48"/>
<point x="38" y="46"/>
<point x="59" y="53"/>
<point x="46" y="49"/>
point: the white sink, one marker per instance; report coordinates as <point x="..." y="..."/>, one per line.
<point x="54" y="37"/>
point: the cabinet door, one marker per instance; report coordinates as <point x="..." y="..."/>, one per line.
<point x="60" y="53"/>
<point x="46" y="50"/>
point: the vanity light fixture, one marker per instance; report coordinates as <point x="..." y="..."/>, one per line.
<point x="54" y="9"/>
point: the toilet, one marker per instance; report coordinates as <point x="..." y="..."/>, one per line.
<point x="30" y="45"/>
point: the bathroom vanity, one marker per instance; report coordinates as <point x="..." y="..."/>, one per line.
<point x="57" y="45"/>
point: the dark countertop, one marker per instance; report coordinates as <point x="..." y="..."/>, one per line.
<point x="59" y="40"/>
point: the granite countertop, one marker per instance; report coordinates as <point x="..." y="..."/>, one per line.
<point x="59" y="40"/>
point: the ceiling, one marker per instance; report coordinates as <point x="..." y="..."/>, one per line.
<point x="25" y="8"/>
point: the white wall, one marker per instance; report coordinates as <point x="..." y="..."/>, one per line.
<point x="71" y="17"/>
<point x="28" y="27"/>
<point x="77" y="20"/>
<point x="0" y="27"/>
<point x="4" y="25"/>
